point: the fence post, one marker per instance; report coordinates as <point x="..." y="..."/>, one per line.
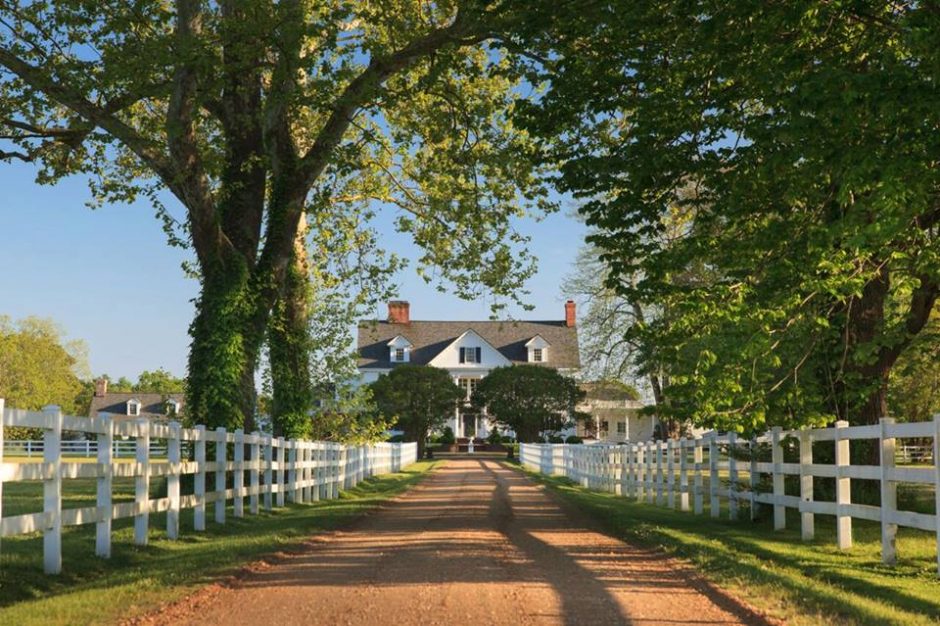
<point x="889" y="496"/>
<point x="268" y="473"/>
<point x="807" y="518"/>
<point x="683" y="475"/>
<point x="714" y="505"/>
<point x="671" y="472"/>
<point x="936" y="481"/>
<point x="52" y="490"/>
<point x="105" y="472"/>
<point x="753" y="477"/>
<point x="221" y="446"/>
<point x="280" y="472"/>
<point x="317" y="454"/>
<point x="660" y="496"/>
<point x="1" y="467"/>
<point x="697" y="461"/>
<point x="199" y="480"/>
<point x="732" y="476"/>
<point x="292" y="472"/>
<point x="334" y="468"/>
<point x="142" y="483"/>
<point x="254" y="472"/>
<point x="238" y="502"/>
<point x="776" y="458"/>
<point x="173" y="481"/>
<point x="843" y="488"/>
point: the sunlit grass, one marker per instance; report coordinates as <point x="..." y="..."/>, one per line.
<point x="136" y="579"/>
<point x="802" y="583"/>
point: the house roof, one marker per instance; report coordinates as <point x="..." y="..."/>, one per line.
<point x="152" y="405"/>
<point x="429" y="338"/>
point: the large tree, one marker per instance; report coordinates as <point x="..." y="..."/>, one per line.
<point x="529" y="399"/>
<point x="418" y="398"/>
<point x="256" y="113"/>
<point x="801" y="139"/>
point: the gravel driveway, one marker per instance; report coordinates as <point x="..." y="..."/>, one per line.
<point x="475" y="543"/>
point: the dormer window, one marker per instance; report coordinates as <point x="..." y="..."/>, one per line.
<point x="133" y="407"/>
<point x="172" y="407"/>
<point x="537" y="349"/>
<point x="399" y="350"/>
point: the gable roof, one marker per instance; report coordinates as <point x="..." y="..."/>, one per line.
<point x="152" y="405"/>
<point x="429" y="338"/>
<point x="471" y="332"/>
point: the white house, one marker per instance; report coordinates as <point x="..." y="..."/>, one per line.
<point x="468" y="350"/>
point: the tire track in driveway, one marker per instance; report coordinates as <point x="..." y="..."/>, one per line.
<point x="475" y="543"/>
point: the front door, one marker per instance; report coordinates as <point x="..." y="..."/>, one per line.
<point x="469" y="425"/>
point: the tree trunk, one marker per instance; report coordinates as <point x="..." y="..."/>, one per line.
<point x="289" y="349"/>
<point x="224" y="350"/>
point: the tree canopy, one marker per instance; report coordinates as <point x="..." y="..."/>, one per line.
<point x="157" y="381"/>
<point x="418" y="397"/>
<point x="796" y="143"/>
<point x="529" y="399"/>
<point x="276" y="124"/>
<point x="39" y="367"/>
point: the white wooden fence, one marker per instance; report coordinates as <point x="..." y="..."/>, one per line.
<point x="303" y="471"/>
<point x="671" y="473"/>
<point x="88" y="448"/>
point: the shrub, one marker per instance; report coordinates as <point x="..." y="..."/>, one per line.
<point x="494" y="438"/>
<point x="447" y="437"/>
<point x="574" y="439"/>
<point x="396" y="439"/>
<point x="555" y="439"/>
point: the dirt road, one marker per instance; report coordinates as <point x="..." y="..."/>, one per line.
<point x="475" y="543"/>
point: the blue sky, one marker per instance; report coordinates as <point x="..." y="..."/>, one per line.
<point x="108" y="277"/>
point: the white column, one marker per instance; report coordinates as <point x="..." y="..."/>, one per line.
<point x="105" y="472"/>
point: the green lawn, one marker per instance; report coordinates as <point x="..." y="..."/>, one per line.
<point x="135" y="580"/>
<point x="802" y="583"/>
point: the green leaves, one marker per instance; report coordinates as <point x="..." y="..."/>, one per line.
<point x="529" y="399"/>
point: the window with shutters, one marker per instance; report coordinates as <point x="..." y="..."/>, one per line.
<point x="470" y="355"/>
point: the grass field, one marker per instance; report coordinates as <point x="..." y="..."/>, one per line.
<point x="802" y="583"/>
<point x="137" y="579"/>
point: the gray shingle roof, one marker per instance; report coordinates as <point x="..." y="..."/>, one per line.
<point x="429" y="338"/>
<point x="152" y="405"/>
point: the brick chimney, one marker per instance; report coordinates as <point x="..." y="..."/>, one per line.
<point x="399" y="312"/>
<point x="569" y="314"/>
<point x="101" y="387"/>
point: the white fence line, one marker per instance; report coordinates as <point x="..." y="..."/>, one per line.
<point x="637" y="470"/>
<point x="120" y="449"/>
<point x="313" y="470"/>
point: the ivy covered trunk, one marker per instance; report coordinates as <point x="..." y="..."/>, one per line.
<point x="289" y="349"/>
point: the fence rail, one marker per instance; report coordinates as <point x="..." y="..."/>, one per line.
<point x="672" y="473"/>
<point x="120" y="449"/>
<point x="277" y="469"/>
